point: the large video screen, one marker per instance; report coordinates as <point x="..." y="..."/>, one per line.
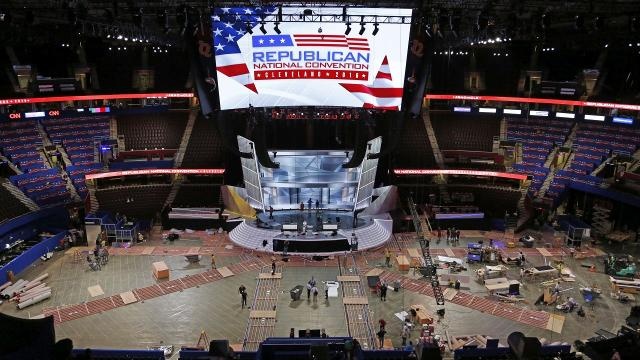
<point x="310" y="63"/>
<point x="311" y="174"/>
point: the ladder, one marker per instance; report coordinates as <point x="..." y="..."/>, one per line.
<point x="431" y="135"/>
<point x="422" y="225"/>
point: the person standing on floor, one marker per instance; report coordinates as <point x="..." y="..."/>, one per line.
<point x="273" y="266"/>
<point x="405" y="334"/>
<point x="382" y="324"/>
<point x="213" y="261"/>
<point x="448" y="234"/>
<point x="243" y="296"/>
<point x="387" y="258"/>
<point x="317" y="205"/>
<point x="383" y="292"/>
<point x="309" y="202"/>
<point x="309" y="287"/>
<point x="315" y="293"/>
<point x="381" y="335"/>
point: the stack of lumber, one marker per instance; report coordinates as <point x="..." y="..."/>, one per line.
<point x="457" y="342"/>
<point x="25" y="293"/>
<point x="422" y="315"/>
<point x="625" y="285"/>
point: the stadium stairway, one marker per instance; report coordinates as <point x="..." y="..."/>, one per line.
<point x="93" y="200"/>
<point x="19" y="194"/>
<point x="175" y="187"/>
<point x="432" y="139"/>
<point x="186" y="136"/>
<point x="12" y="166"/>
<point x="46" y="141"/>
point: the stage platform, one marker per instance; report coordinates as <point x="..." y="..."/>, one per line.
<point x="314" y="219"/>
<point x="371" y="232"/>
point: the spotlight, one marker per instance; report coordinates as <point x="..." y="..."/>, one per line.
<point x="362" y="28"/>
<point x="375" y="29"/>
<point x="264" y="31"/>
<point x="126" y="39"/>
<point x="119" y="37"/>
<point x="276" y="28"/>
<point x="249" y="29"/>
<point x="348" y="29"/>
<point x="108" y="36"/>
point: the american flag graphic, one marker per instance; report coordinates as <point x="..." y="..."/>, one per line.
<point x="381" y="94"/>
<point x="332" y="41"/>
<point x="229" y="25"/>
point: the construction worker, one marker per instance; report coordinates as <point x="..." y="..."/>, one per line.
<point x="213" y="261"/>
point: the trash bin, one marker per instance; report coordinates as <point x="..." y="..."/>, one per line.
<point x="296" y="292"/>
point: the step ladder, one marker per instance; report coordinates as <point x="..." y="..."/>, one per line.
<point x="600" y="222"/>
<point x="423" y="232"/>
<point x="431" y="135"/>
<point x="186" y="136"/>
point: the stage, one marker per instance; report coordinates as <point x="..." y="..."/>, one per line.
<point x="314" y="219"/>
<point x="371" y="232"/>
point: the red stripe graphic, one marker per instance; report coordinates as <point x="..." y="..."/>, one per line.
<point x="382" y="75"/>
<point x="372" y="106"/>
<point x="376" y="92"/>
<point x="234" y="70"/>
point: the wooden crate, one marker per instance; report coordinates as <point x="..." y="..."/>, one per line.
<point x="403" y="263"/>
<point x="160" y="270"/>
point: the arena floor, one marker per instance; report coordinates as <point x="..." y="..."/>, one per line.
<point x="197" y="298"/>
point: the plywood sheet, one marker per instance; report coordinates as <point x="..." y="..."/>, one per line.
<point x="374" y="272"/>
<point x="148" y="250"/>
<point x="95" y="290"/>
<point x="555" y="323"/>
<point x="128" y="297"/>
<point x="258" y="314"/>
<point x="349" y="278"/>
<point x="269" y="276"/>
<point x="544" y="252"/>
<point x="355" y="301"/>
<point x="225" y="272"/>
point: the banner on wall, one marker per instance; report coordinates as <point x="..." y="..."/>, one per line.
<point x="308" y="63"/>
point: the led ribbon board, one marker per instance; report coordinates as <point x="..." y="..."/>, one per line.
<point x="309" y="63"/>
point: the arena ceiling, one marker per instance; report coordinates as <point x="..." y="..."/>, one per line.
<point x="451" y="22"/>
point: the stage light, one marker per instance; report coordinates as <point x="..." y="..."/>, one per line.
<point x="249" y="28"/>
<point x="375" y="29"/>
<point x="109" y="48"/>
<point x="472" y="44"/>
<point x="119" y="37"/>
<point x="362" y="29"/>
<point x="347" y="31"/>
<point x="126" y="39"/>
<point x="108" y="36"/>
<point x="606" y="45"/>
<point x="579" y="22"/>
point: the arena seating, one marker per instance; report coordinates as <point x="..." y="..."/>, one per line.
<point x="77" y="173"/>
<point x="11" y="206"/>
<point x="198" y="195"/>
<point x="538" y="137"/>
<point x="465" y="132"/>
<point x="19" y="143"/>
<point x="77" y="135"/>
<point x="494" y="201"/>
<point x="152" y="131"/>
<point x="205" y="148"/>
<point x="593" y="144"/>
<point x="538" y="174"/>
<point x="414" y="150"/>
<point x="141" y="202"/>
<point x="46" y="187"/>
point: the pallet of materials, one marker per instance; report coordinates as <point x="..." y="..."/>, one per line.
<point x="422" y="315"/>
<point x="625" y="285"/>
<point x="458" y="342"/>
<point x="25" y="293"/>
